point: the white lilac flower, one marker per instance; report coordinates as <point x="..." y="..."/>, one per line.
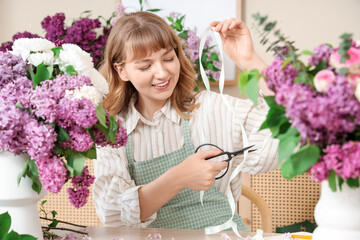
<point x="46" y="57"/>
<point x="73" y="55"/>
<point x="98" y="81"/>
<point x="88" y="92"/>
<point x="24" y="46"/>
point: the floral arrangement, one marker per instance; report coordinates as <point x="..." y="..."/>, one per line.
<point x="83" y="32"/>
<point x="50" y="106"/>
<point x="315" y="112"/>
<point x="191" y="42"/>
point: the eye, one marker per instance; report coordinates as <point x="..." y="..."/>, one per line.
<point x="144" y="68"/>
<point x="169" y="59"/>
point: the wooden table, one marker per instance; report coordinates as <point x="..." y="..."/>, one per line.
<point x="127" y="233"/>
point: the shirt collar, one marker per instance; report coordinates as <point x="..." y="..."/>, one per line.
<point x="133" y="116"/>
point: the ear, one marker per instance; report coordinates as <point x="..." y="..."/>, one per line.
<point x="121" y="71"/>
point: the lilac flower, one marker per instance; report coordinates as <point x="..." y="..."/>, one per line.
<point x="54" y="27"/>
<point x="80" y="139"/>
<point x="52" y="173"/>
<point x="321" y="53"/>
<point x="277" y="76"/>
<point x="345" y="161"/>
<point x="79" y="193"/>
<point x="11" y="68"/>
<point x="41" y="139"/>
<point x="120" y="136"/>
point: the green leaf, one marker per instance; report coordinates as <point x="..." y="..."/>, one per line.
<point x="288" y="143"/>
<point x="5" y="223"/>
<point x="353" y="182"/>
<point x="43" y="202"/>
<point x="301" y="161"/>
<point x="178" y="26"/>
<point x="101" y="115"/>
<point x="34" y="176"/>
<point x="242" y="80"/>
<point x="302" y="78"/>
<point x="70" y="71"/>
<point x="12" y="236"/>
<point x="183" y="35"/>
<point x="332" y="181"/>
<point x="91" y="153"/>
<point x="69" y="168"/>
<point x="41" y="75"/>
<point x="269" y="26"/>
<point x="170" y="19"/>
<point x="343" y="71"/>
<point x="23" y="172"/>
<point x="113" y="127"/>
<point x="53" y="213"/>
<point x="54" y="223"/>
<point x="27" y="237"/>
<point x="341" y="182"/>
<point x="19" y="106"/>
<point x="153" y="10"/>
<point x="270" y="101"/>
<point x="77" y="163"/>
<point x="63" y="136"/>
<point x="56" y="51"/>
<point x="307" y="52"/>
<point x="50" y="70"/>
<point x="252" y="89"/>
<point x="274" y="117"/>
<point x="213" y="56"/>
<point x="286" y="62"/>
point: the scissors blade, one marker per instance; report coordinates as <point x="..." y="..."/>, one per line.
<point x="241" y="151"/>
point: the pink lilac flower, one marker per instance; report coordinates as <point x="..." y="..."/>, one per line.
<point x="345" y="161"/>
<point x="79" y="193"/>
<point x="120" y="136"/>
<point x="41" y="139"/>
<point x="321" y="53"/>
<point x="54" y="27"/>
<point x="11" y="68"/>
<point x="276" y="76"/>
<point x="80" y="139"/>
<point x="52" y="173"/>
<point x="69" y="237"/>
<point x="12" y="134"/>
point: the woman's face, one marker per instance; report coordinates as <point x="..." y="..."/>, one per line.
<point x="154" y="77"/>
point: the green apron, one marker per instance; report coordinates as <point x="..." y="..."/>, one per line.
<point x="184" y="211"/>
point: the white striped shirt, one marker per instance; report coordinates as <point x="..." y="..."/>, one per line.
<point x="115" y="193"/>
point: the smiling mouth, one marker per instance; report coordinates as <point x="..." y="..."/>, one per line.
<point x="161" y="84"/>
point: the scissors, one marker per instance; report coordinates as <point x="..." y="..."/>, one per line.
<point x="227" y="155"/>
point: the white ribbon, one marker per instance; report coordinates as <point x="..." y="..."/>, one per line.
<point x="237" y="170"/>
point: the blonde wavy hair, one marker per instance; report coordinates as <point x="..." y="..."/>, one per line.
<point x="135" y="36"/>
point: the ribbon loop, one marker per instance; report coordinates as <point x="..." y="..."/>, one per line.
<point x="230" y="223"/>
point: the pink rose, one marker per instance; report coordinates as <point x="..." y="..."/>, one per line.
<point x="353" y="63"/>
<point x="323" y="79"/>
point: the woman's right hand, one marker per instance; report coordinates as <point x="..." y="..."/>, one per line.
<point x="198" y="174"/>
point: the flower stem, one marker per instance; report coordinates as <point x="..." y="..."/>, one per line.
<point x="68" y="223"/>
<point x="66" y="229"/>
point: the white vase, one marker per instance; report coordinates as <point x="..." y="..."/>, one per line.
<point x="19" y="200"/>
<point x="337" y="214"/>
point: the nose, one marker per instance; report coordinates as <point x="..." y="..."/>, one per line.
<point x="160" y="71"/>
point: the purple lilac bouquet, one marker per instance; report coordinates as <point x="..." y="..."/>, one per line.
<point x="82" y="32"/>
<point x="50" y="109"/>
<point x="191" y="42"/>
<point x="315" y="112"/>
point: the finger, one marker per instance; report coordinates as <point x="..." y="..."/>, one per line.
<point x="225" y="27"/>
<point x="219" y="26"/>
<point x="214" y="23"/>
<point x="219" y="165"/>
<point x="209" y="153"/>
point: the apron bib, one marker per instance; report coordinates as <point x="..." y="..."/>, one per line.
<point x="184" y="211"/>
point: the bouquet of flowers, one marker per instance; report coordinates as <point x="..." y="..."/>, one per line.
<point x="315" y="112"/>
<point x="191" y="42"/>
<point x="50" y="109"/>
<point x="90" y="34"/>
